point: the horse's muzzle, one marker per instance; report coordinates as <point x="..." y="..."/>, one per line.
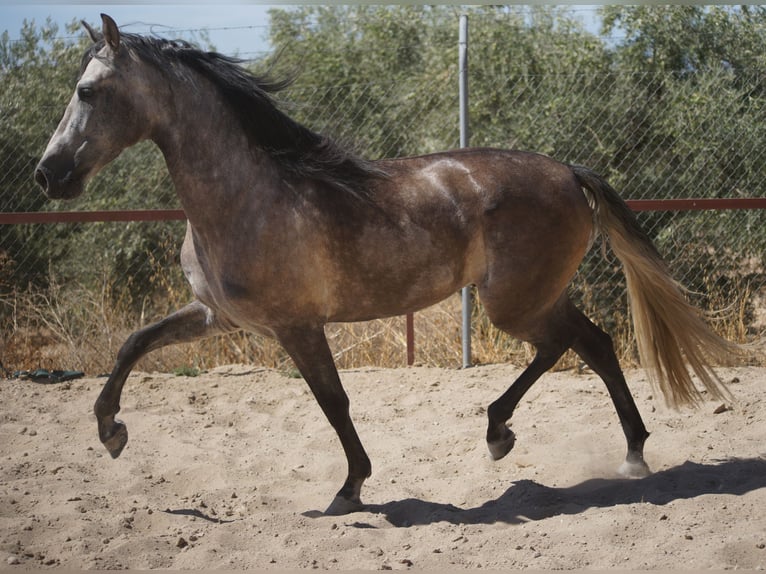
<point x="56" y="186"/>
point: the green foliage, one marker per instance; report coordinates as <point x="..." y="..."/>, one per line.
<point x="395" y="66"/>
<point x="187" y="371"/>
<point x="366" y="69"/>
<point x="37" y="74"/>
<point x="676" y="107"/>
<point x="683" y="38"/>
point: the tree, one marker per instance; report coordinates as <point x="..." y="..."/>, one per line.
<point x="701" y="130"/>
<point x="522" y="65"/>
<point x="686" y="38"/>
<point x="37" y="77"/>
<point x="35" y="73"/>
<point x="366" y="68"/>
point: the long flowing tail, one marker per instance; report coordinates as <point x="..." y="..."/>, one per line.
<point x="670" y="332"/>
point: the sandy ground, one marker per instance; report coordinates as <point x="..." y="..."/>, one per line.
<point x="231" y="469"/>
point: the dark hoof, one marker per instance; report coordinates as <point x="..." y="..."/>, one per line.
<point x="341" y="506"/>
<point x="499" y="448"/>
<point x="116" y="438"/>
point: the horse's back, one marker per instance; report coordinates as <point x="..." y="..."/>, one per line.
<point x="486" y="180"/>
<point x="516" y="199"/>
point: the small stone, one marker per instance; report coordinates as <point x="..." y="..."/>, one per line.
<point x="13" y="560"/>
<point x="720" y="409"/>
<point x="182" y="543"/>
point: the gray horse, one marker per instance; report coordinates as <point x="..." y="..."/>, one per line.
<point x="287" y="232"/>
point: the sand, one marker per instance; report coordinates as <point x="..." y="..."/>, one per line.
<point x="231" y="470"/>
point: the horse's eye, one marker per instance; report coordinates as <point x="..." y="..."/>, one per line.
<point x="85" y="92"/>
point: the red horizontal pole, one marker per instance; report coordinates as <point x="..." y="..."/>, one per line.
<point x="696" y="204"/>
<point x="16" y="218"/>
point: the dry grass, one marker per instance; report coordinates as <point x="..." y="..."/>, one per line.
<point x="79" y="327"/>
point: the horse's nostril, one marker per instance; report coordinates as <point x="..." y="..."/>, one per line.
<point x="41" y="178"/>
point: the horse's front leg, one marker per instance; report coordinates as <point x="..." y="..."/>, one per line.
<point x="309" y="349"/>
<point x="193" y="322"/>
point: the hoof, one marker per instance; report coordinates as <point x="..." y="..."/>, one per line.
<point x="341" y="506"/>
<point x="635" y="469"/>
<point x="499" y="448"/>
<point x="116" y="438"/>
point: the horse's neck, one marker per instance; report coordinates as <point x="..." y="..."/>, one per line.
<point x="213" y="166"/>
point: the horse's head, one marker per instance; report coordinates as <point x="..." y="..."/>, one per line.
<point x="106" y="114"/>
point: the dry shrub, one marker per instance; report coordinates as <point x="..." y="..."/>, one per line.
<point x="74" y="326"/>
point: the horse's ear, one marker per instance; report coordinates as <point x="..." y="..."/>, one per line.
<point x="111" y="32"/>
<point x="94" y="36"/>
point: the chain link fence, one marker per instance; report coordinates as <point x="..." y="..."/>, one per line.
<point x="72" y="292"/>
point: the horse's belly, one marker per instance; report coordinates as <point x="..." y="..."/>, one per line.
<point x="310" y="281"/>
<point x="403" y="286"/>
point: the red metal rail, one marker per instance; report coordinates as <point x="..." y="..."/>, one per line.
<point x="17" y="218"/>
<point x="31" y="217"/>
<point x="696" y="204"/>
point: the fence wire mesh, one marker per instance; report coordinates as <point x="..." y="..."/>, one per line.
<point x="59" y="281"/>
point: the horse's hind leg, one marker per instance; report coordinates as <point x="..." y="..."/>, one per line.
<point x="193" y="322"/>
<point x="500" y="438"/>
<point x="596" y="349"/>
<point x="567" y="327"/>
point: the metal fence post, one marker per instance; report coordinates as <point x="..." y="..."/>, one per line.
<point x="463" y="75"/>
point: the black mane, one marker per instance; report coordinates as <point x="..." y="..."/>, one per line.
<point x="296" y="149"/>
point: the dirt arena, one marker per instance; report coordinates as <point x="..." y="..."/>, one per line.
<point x="232" y="468"/>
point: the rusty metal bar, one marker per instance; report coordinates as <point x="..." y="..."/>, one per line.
<point x="410" y="339"/>
<point x="32" y="217"/>
<point x="696" y="204"/>
<point x="18" y="218"/>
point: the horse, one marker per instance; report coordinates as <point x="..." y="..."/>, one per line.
<point x="288" y="231"/>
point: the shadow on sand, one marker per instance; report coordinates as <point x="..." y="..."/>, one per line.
<point x="527" y="500"/>
<point x="196" y="514"/>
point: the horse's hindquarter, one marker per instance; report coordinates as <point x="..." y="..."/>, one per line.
<point x="536" y="236"/>
<point x="516" y="224"/>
